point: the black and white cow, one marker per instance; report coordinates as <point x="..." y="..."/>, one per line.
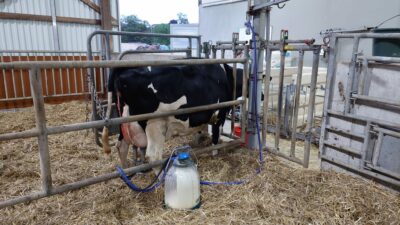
<point x="160" y="89"/>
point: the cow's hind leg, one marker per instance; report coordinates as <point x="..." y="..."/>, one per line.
<point x="216" y="127"/>
<point x="123" y="148"/>
<point x="155" y="132"/>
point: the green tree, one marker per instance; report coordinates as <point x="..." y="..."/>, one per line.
<point x="182" y="18"/>
<point x="161" y="29"/>
<point x="133" y="24"/>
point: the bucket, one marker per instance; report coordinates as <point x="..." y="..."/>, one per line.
<point x="237" y="130"/>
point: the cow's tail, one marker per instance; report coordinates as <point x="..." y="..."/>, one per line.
<point x="104" y="136"/>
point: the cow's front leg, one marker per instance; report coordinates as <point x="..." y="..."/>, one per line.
<point x="155" y="132"/>
<point x="123" y="148"/>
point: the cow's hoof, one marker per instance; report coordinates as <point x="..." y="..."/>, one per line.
<point x="108" y="157"/>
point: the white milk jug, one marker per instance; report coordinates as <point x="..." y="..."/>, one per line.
<point x="182" y="184"/>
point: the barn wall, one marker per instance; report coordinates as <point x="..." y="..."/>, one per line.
<point x="38" y="35"/>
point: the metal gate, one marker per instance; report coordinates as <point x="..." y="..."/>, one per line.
<point x="361" y="128"/>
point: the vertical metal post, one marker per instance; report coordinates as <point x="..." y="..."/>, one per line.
<point x="222" y="53"/>
<point x="214" y="52"/>
<point x="198" y="47"/>
<point x="259" y="21"/>
<point x="280" y="97"/>
<point x="352" y="72"/>
<point x="266" y="95"/>
<point x="38" y="102"/>
<point x="367" y="137"/>
<point x="311" y="106"/>
<point x="235" y="37"/>
<point x="244" y="111"/>
<point x="296" y="103"/>
<point x="330" y="81"/>
<point x="190" y="47"/>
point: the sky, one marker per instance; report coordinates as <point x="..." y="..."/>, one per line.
<point x="160" y="11"/>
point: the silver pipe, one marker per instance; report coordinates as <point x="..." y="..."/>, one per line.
<point x="38" y="102"/>
<point x="343" y="131"/>
<point x="280" y="100"/>
<point x="352" y="73"/>
<point x="230" y="42"/>
<point x="244" y="110"/>
<point x="305" y="41"/>
<point x="382" y="59"/>
<point x="140" y="34"/>
<point x="296" y="103"/>
<point x="267" y="82"/>
<point x="311" y="106"/>
<point x="119" y="120"/>
<point x="377" y="100"/>
<point x="363" y="172"/>
<point x="393" y="124"/>
<point x="330" y="82"/>
<point x="229" y="47"/>
<point x="293" y="47"/>
<point x="122" y="54"/>
<point x="199" y="49"/>
<point x="259" y="21"/>
<point x="388" y="132"/>
<point x="116" y="63"/>
<point x="343" y="148"/>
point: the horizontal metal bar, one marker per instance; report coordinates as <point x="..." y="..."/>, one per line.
<point x="386" y="131"/>
<point x="343" y="131"/>
<point x="116" y="121"/>
<point x="122" y="54"/>
<point x="343" y="148"/>
<point x="268" y="4"/>
<point x="294" y="47"/>
<point x="42" y="51"/>
<point x="105" y="177"/>
<point x="230" y="47"/>
<point x="368" y="35"/>
<point x="382" y="59"/>
<point x="384" y="171"/>
<point x="230" y="42"/>
<point x="305" y="41"/>
<point x="377" y="100"/>
<point x="363" y="172"/>
<point x="278" y="153"/>
<point x="115" y="63"/>
<point x="365" y="119"/>
<point x="143" y="34"/>
<point x="46" y="97"/>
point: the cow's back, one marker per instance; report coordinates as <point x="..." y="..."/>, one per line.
<point x="178" y="87"/>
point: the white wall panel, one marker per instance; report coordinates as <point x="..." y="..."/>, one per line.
<point x="37" y="35"/>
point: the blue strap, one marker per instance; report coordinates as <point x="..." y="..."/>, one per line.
<point x="134" y="187"/>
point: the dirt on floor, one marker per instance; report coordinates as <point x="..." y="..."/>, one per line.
<point x="280" y="194"/>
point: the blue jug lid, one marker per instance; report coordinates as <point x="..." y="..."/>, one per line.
<point x="183" y="155"/>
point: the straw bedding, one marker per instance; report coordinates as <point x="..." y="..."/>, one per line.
<point x="280" y="194"/>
